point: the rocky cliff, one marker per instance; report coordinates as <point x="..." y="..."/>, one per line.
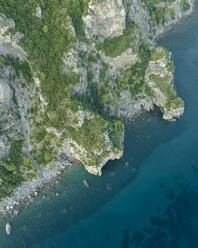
<point x="71" y="70"/>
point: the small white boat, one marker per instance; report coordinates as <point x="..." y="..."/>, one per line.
<point x="85" y="183"/>
<point x="8" y="228"/>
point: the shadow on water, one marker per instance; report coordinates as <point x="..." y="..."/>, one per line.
<point x="178" y="228"/>
<point x="49" y="216"/>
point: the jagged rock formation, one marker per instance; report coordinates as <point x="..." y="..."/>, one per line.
<point x="71" y="71"/>
<point x="159" y="77"/>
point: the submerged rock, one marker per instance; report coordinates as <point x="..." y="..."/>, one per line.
<point x="109" y="186"/>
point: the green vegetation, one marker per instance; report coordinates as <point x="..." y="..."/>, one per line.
<point x="185" y="5"/>
<point x="46" y="40"/>
<point x="45" y="150"/>
<point x="158" y="54"/>
<point x="163" y="83"/>
<point x="15" y="169"/>
<point x="172" y="13"/>
<point x="19" y="66"/>
<point x="89" y="129"/>
<point x="76" y="9"/>
<point x="134" y="77"/>
<point x="92" y="58"/>
<point x="158" y="13"/>
<point x="174" y="103"/>
<point x="115" y="135"/>
<point x="1" y="59"/>
<point x="116" y="46"/>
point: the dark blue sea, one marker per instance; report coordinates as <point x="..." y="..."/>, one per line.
<point x="148" y="199"/>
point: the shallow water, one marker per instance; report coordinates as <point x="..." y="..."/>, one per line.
<point x="151" y="202"/>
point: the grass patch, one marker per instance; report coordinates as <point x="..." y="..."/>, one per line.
<point x="114" y="47"/>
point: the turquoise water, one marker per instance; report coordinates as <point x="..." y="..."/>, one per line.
<point x="151" y="202"/>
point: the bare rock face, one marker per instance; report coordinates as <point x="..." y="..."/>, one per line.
<point x="174" y="112"/>
<point x="105" y="19"/>
<point x="139" y="14"/>
<point x="97" y="171"/>
<point x="8" y="43"/>
<point x="5" y="93"/>
<point x="121" y="62"/>
<point x="73" y="69"/>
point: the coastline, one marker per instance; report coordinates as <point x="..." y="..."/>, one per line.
<point x="163" y="30"/>
<point x="28" y="191"/>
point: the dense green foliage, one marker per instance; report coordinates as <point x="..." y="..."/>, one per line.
<point x="157" y="14"/>
<point x="46" y="39"/>
<point x="185" y="5"/>
<point x="15" y="169"/>
<point x="164" y="86"/>
<point x="19" y="66"/>
<point x="158" y="10"/>
<point x="116" y="46"/>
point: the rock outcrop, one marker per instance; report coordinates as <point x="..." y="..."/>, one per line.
<point x="159" y="77"/>
<point x="105" y="19"/>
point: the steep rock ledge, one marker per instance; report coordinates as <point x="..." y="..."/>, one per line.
<point x="159" y="77"/>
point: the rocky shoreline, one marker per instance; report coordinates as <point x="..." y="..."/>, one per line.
<point x="29" y="190"/>
<point x="164" y="29"/>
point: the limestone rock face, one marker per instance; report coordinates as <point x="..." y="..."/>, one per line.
<point x="97" y="171"/>
<point x="138" y="13"/>
<point x="8" y="43"/>
<point x="171" y="113"/>
<point x="10" y="125"/>
<point x="129" y="108"/>
<point x="121" y="62"/>
<point x="105" y="18"/>
<point x="159" y="77"/>
<point x="5" y="93"/>
<point x="94" y="158"/>
<point x="73" y="68"/>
